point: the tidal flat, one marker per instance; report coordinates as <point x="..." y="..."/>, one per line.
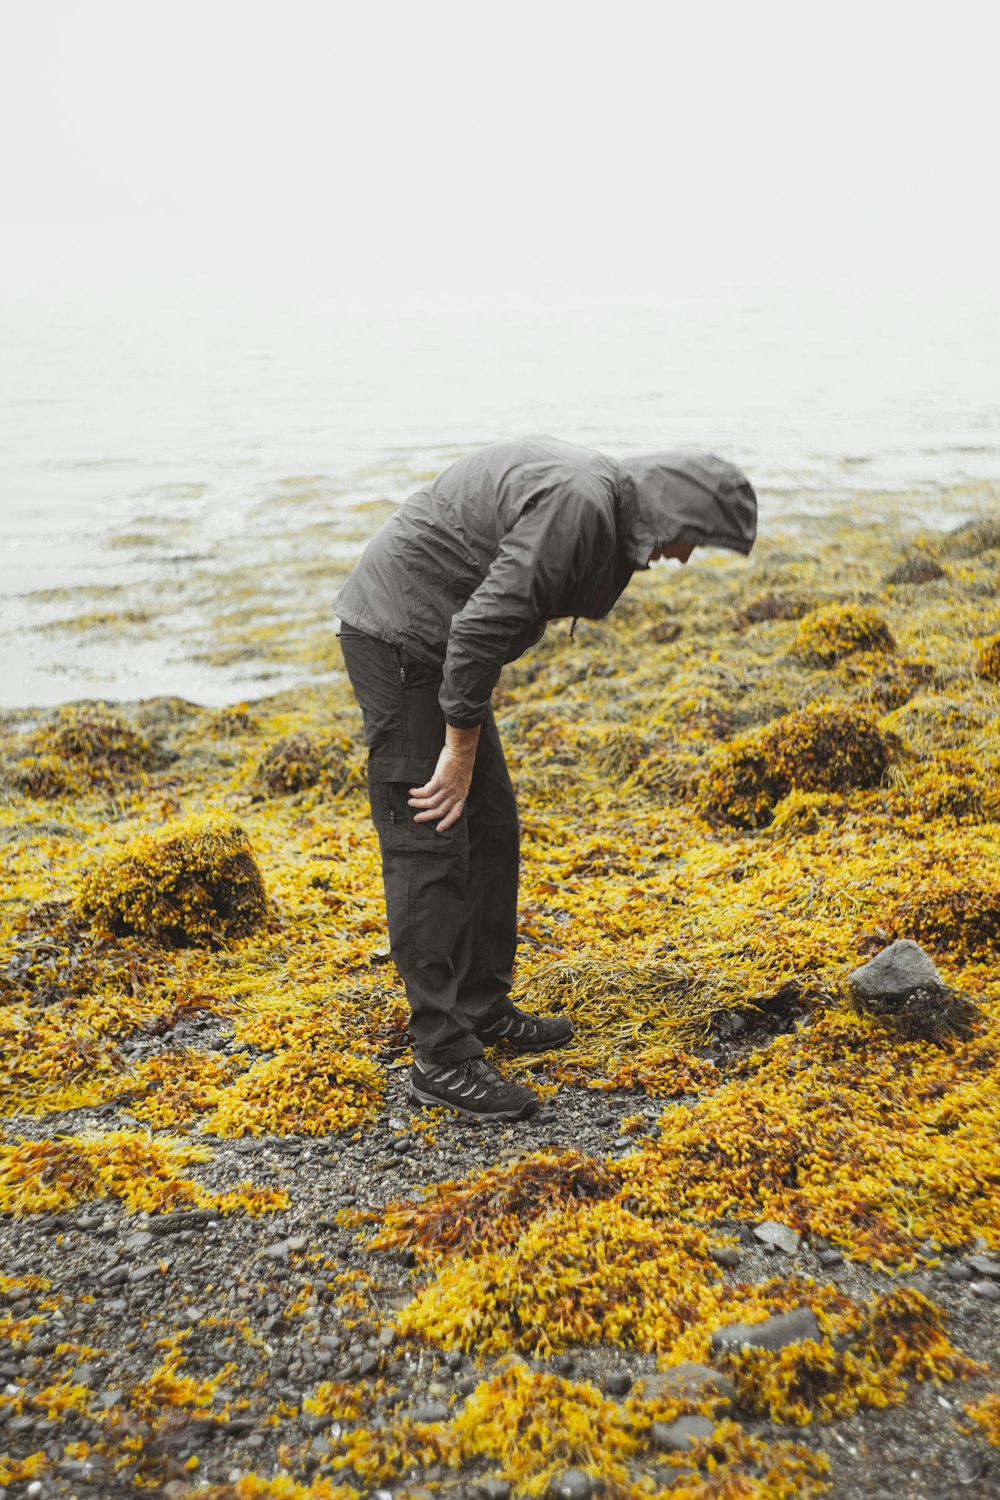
<point x="238" y="1263"/>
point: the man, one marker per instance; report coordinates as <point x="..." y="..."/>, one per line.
<point x="463" y="578"/>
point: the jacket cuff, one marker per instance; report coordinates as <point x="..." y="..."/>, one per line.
<point x="462" y="723"/>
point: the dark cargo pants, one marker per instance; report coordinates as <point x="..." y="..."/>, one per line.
<point x="451" y="898"/>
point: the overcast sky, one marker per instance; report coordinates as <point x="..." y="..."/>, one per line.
<point x="529" y="114"/>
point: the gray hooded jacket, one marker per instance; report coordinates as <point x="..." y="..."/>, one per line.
<point x="469" y="570"/>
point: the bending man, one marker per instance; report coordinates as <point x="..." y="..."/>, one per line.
<point x="463" y="578"/>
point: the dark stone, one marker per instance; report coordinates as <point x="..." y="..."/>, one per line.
<point x="917" y="569"/>
<point x="830" y="1258"/>
<point x="618" y="1383"/>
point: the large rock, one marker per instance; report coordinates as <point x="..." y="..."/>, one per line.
<point x="902" y="987"/>
<point x="900" y="969"/>
<point x="774" y="1333"/>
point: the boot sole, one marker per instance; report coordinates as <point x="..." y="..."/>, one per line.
<point x="528" y="1108"/>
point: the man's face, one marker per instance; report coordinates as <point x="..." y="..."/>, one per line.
<point x="681" y="550"/>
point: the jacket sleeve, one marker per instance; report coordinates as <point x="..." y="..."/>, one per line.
<point x="551" y="540"/>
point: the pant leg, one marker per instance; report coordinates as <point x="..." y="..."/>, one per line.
<point x="487" y="940"/>
<point x="425" y="873"/>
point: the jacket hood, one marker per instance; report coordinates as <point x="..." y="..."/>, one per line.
<point x="688" y="497"/>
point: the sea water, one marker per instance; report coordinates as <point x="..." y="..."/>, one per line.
<point x="180" y="404"/>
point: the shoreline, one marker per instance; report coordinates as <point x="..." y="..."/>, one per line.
<point x="242" y="1319"/>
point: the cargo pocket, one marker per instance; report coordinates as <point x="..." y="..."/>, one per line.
<point x="389" y="781"/>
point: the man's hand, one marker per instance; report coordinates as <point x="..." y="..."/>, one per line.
<point x="445" y="794"/>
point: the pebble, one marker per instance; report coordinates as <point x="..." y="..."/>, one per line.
<point x="297" y="1242"/>
<point x="958" y="1272"/>
<point x="618" y="1383"/>
<point x="725" y="1255"/>
<point x="277" y="1251"/>
<point x="777" y="1236"/>
<point x="494" y="1489"/>
<point x="830" y="1258"/>
<point x="984" y="1265"/>
<point x="690" y="1379"/>
<point x="605" y="1120"/>
<point x="572" y="1484"/>
<point x="432" y="1411"/>
<point x="986" y="1289"/>
<point x="564" y="1363"/>
<point x="143" y="1272"/>
<point x="139" y="1241"/>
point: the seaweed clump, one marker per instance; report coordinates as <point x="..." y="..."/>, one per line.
<point x="294" y="764"/>
<point x="828" y="635"/>
<point x="989" y="659"/>
<point x="824" y="748"/>
<point x="193" y="883"/>
<point x="79" y="749"/>
<point x="918" y="569"/>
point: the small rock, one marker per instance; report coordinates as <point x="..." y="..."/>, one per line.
<point x="139" y="1241"/>
<point x="277" y="1251"/>
<point x="297" y="1242"/>
<point x="368" y="1364"/>
<point x="564" y="1363"/>
<point x="774" y="1333"/>
<point x="968" y="1468"/>
<point x="830" y="1258"/>
<point x="921" y="1284"/>
<point x="957" y="1272"/>
<point x="618" y="1383"/>
<point x="777" y="1236"/>
<point x="572" y="1484"/>
<point x="690" y="1379"/>
<point x="143" y="1272"/>
<point x="989" y="1290"/>
<point x="679" y="1436"/>
<point x="494" y="1489"/>
<point x="984" y="1265"/>
<point x="432" y="1411"/>
<point x="725" y="1255"/>
<point x="605" y="1120"/>
<point x="466" y="1384"/>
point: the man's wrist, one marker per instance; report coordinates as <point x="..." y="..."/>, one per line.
<point x="461" y="742"/>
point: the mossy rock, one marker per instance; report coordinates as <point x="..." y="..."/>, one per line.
<point x="824" y="748"/>
<point x="773" y="605"/>
<point x="989" y="659"/>
<point x="918" y="569"/>
<point x="193" y="883"/>
<point x="972" y="539"/>
<point x="296" y="763"/>
<point x="828" y="635"/>
<point x="79" y="748"/>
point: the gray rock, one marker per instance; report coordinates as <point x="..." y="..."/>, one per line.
<point x="774" y="1333"/>
<point x="725" y="1255"/>
<point x="431" y="1411"/>
<point x="830" y="1258"/>
<point x="143" y="1272"/>
<point x="572" y="1484"/>
<point x="984" y="1265"/>
<point x="277" y="1251"/>
<point x="898" y="970"/>
<point x="989" y="1290"/>
<point x="690" y="1379"/>
<point x="139" y="1240"/>
<point x="777" y="1236"/>
<point x="297" y="1242"/>
<point x="618" y="1383"/>
<point x="494" y="1489"/>
<point x="679" y="1436"/>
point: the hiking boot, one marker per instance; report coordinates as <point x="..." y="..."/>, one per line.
<point x="472" y="1088"/>
<point x="507" y="1026"/>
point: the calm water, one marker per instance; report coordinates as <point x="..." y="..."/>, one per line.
<point x="159" y="395"/>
